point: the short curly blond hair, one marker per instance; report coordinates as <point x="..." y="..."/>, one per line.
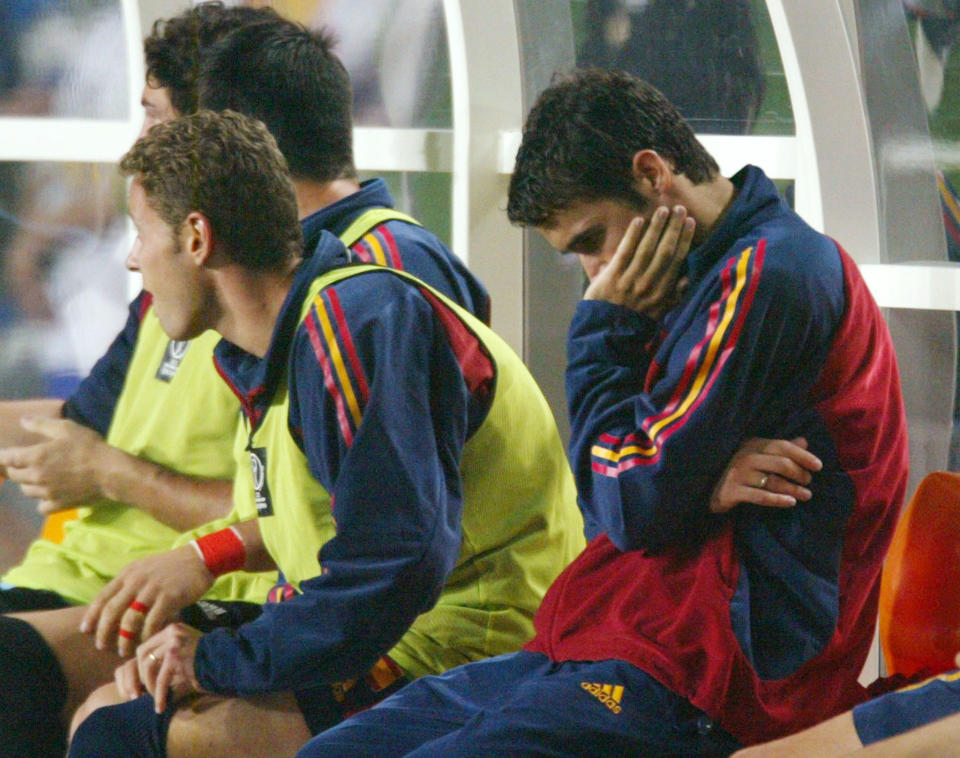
<point x="228" y="167"/>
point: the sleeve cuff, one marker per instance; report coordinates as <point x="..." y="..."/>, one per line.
<point x="898" y="712"/>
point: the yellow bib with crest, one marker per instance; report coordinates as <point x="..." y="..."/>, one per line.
<point x="520" y="523"/>
<point x="175" y="411"/>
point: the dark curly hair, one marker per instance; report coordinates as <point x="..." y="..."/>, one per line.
<point x="228" y="167"/>
<point x="580" y="138"/>
<point x="174" y="47"/>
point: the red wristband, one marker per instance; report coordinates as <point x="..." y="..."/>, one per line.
<point x="222" y="551"/>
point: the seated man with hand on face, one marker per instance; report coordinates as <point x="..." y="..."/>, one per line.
<point x="693" y="623"/>
<point x="407" y="475"/>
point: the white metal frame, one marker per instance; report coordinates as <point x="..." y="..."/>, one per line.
<point x="835" y="176"/>
<point x="486" y="91"/>
<point x="81" y="140"/>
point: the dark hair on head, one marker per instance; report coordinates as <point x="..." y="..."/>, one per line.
<point x="580" y="138"/>
<point x="174" y="47"/>
<point x="288" y="77"/>
<point x="226" y="166"/>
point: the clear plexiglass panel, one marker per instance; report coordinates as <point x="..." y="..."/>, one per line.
<point x="395" y="51"/>
<point x="63" y="294"/>
<point x="63" y="59"/>
<point x="63" y="285"/>
<point x="424" y="195"/>
<point x="934" y="30"/>
<point x="716" y="60"/>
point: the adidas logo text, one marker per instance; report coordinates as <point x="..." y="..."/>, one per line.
<point x="607" y="694"/>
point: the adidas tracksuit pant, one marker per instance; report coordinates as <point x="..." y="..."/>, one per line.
<point x="524" y="704"/>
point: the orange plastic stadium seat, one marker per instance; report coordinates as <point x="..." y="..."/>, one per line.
<point x="920" y="588"/>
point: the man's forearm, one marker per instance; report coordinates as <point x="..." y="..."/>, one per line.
<point x="832" y="738"/>
<point x="180" y="501"/>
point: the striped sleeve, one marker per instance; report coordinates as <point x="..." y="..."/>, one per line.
<point x="950" y="208"/>
<point x="379" y="403"/>
<point x="613" y="455"/>
<point x="648" y="442"/>
<point x="379" y="247"/>
<point x="910" y="708"/>
<point x="336" y="354"/>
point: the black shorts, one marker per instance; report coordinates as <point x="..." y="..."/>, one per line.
<point x="19" y="599"/>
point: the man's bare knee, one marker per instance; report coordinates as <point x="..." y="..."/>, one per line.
<point x="267" y="726"/>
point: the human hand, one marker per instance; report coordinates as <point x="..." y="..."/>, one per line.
<point x="644" y="272"/>
<point x="163" y="667"/>
<point x="144" y="596"/>
<point x="62" y="471"/>
<point x="771" y="473"/>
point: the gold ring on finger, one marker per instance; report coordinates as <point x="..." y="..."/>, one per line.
<point x="763" y="481"/>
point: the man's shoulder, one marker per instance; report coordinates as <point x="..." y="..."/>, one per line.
<point x="360" y="296"/>
<point x="782" y="266"/>
<point x="791" y="251"/>
<point x="410" y="235"/>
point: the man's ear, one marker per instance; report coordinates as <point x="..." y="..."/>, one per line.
<point x="652" y="174"/>
<point x="197" y="237"/>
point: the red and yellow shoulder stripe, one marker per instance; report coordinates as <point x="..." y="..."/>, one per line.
<point x="378" y="246"/>
<point x="343" y="374"/>
<point x="612" y="454"/>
